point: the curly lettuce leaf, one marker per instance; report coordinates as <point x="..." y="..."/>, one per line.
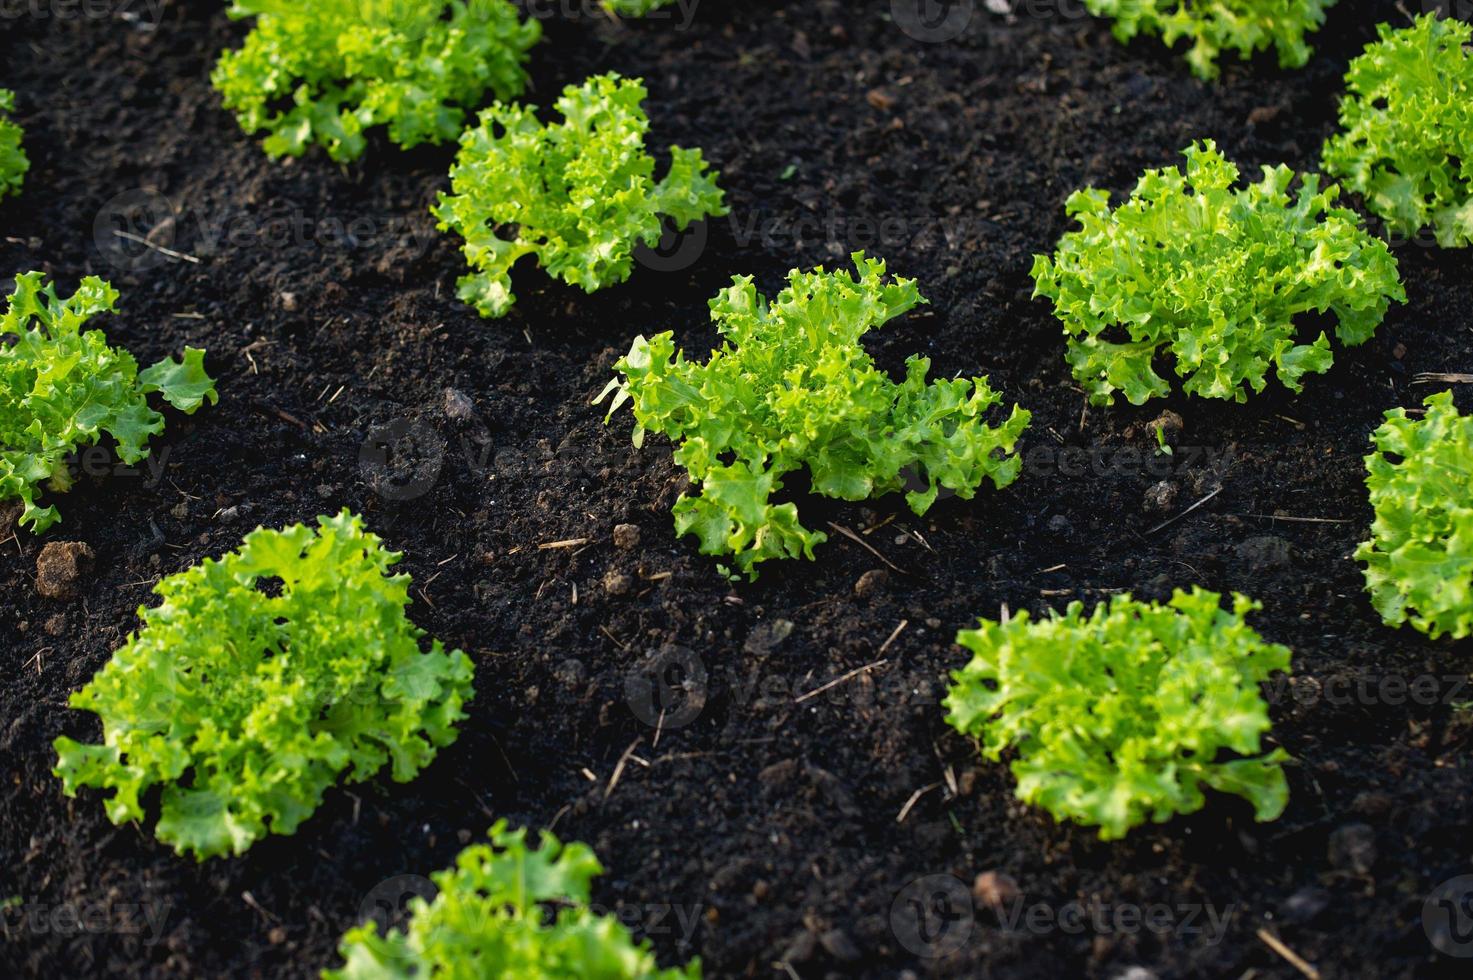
<point x="324" y="73"/>
<point x="510" y="911"/>
<point x="243" y="704"/>
<point x="580" y="193"/>
<point x="13" y="160"/>
<point x="1406" y="129"/>
<point x="1124" y="715"/>
<point x="1215" y="26"/>
<point x="62" y="388"/>
<point x="792" y="387"/>
<point x="1419" y="558"/>
<point x="1214" y="276"/>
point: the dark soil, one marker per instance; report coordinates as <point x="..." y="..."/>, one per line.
<point x="772" y="826"/>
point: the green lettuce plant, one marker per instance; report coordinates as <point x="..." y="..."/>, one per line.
<point x="1215" y="26"/>
<point x="635" y="8"/>
<point x="580" y="193"/>
<point x="1214" y="276"/>
<point x="508" y="911"/>
<point x="1122" y="716"/>
<point x="791" y="387"/>
<point x="13" y="160"/>
<point x="1419" y="559"/>
<point x="260" y="679"/>
<point x="63" y="388"/>
<point x="326" y="71"/>
<point x="1406" y="129"/>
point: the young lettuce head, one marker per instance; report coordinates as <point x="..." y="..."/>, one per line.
<point x="1213" y="276"/>
<point x="63" y="388"/>
<point x="1126" y="714"/>
<point x="581" y="193"/>
<point x="1419" y="559"/>
<point x="260" y="680"/>
<point x="507" y="910"/>
<point x="792" y="387"/>
<point x="325" y="72"/>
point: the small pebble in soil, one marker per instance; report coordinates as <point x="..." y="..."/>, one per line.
<point x="1161" y="497"/>
<point x="1135" y="973"/>
<point x="1167" y="424"/>
<point x="766" y="636"/>
<point x="839" y="945"/>
<point x="1265" y="553"/>
<point x="1305" y="905"/>
<point x="458" y="405"/>
<point x="61" y="566"/>
<point x="995" y="889"/>
<point x="626" y="535"/>
<point x="871" y="582"/>
<point x="1353" y="848"/>
<point x="617" y="583"/>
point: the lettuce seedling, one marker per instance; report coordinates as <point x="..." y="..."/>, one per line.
<point x="259" y="680"/>
<point x="793" y="387"/>
<point x="510" y="911"/>
<point x="326" y="71"/>
<point x="581" y="193"/>
<point x="1215" y="26"/>
<point x="635" y="8"/>
<point x="1406" y="129"/>
<point x="1122" y="716"/>
<point x="1419" y="559"/>
<point x="1213" y="276"/>
<point x="62" y="388"/>
<point x="13" y="160"/>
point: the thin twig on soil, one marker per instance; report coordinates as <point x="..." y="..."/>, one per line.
<point x="866" y="546"/>
<point x="1292" y="958"/>
<point x="894" y="635"/>
<point x="181" y="256"/>
<point x="1173" y="520"/>
<point x="914" y="799"/>
<point x="1296" y="520"/>
<point x="1435" y="377"/>
<point x="568" y="543"/>
<point x="841" y="679"/>
<point x="619" y="768"/>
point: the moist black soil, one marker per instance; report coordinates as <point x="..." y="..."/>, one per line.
<point x="786" y="834"/>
